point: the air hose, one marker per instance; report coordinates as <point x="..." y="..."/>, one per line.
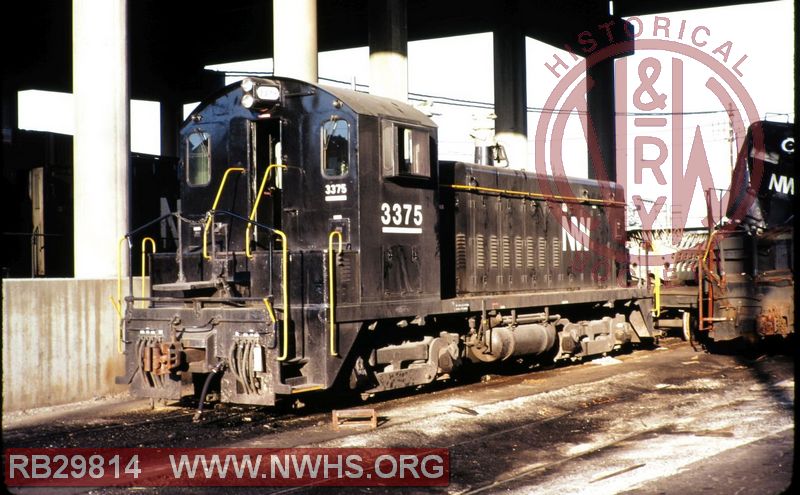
<point x="216" y="369"/>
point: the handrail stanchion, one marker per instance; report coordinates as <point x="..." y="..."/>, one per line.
<point x="255" y="207"/>
<point x="117" y="303"/>
<point x="144" y="259"/>
<point x="270" y="311"/>
<point x="701" y="282"/>
<point x="285" y="287"/>
<point x="657" y="293"/>
<point x="210" y="219"/>
<point x="332" y="288"/>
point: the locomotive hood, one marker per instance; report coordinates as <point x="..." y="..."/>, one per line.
<point x="763" y="179"/>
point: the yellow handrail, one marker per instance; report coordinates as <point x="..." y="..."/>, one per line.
<point x="214" y="207"/>
<point x="657" y="293"/>
<point x="271" y="312"/>
<point x="701" y="282"/>
<point x="255" y="207"/>
<point x="117" y="303"/>
<point x="285" y="288"/>
<point x="709" y="244"/>
<point x="144" y="259"/>
<point x="332" y="287"/>
<point x="554" y="197"/>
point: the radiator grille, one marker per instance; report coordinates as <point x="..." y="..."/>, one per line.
<point x="542" y="251"/>
<point x="493" y="251"/>
<point x="479" y="251"/>
<point x="461" y="251"/>
<point x="556" y="253"/>
<point x="506" y="252"/>
<point x="344" y="273"/>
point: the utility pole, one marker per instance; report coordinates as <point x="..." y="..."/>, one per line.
<point x="731" y="137"/>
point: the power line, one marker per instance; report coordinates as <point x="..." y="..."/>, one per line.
<point x="485" y="105"/>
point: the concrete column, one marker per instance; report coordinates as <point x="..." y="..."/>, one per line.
<point x="600" y="104"/>
<point x="102" y="134"/>
<point x="295" y="39"/>
<point x="388" y="49"/>
<point x="510" y="97"/>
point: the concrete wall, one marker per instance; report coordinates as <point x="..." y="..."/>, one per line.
<point x="59" y="341"/>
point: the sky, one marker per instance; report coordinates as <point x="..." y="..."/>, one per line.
<point x="757" y="40"/>
<point x="456" y="75"/>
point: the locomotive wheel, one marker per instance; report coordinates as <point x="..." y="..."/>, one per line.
<point x="687" y="326"/>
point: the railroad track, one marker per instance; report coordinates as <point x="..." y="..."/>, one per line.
<point x="591" y="396"/>
<point x="177" y="421"/>
<point x="77" y="435"/>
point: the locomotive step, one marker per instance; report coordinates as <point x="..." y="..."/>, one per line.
<point x="198" y="284"/>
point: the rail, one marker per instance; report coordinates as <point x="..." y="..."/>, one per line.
<point x="527" y="194"/>
<point x="657" y="293"/>
<point x="284" y="282"/>
<point x="117" y="303"/>
<point x="255" y="206"/>
<point x="284" y="273"/>
<point x="210" y="218"/>
<point x="701" y="276"/>
<point x="332" y="287"/>
<point x="270" y="310"/>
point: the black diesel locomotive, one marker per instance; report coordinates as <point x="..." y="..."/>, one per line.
<point x="738" y="285"/>
<point x="322" y="244"/>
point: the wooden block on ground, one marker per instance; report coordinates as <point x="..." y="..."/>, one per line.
<point x="354" y="418"/>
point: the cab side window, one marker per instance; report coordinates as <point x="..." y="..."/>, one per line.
<point x="406" y="151"/>
<point x="335" y="135"/>
<point x="198" y="158"/>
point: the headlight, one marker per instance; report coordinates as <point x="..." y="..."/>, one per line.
<point x="247" y="84"/>
<point x="260" y="94"/>
<point x="269" y="93"/>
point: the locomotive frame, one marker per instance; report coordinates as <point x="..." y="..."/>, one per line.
<point x="322" y="244"/>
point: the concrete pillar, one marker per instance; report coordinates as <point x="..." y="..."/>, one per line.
<point x="388" y="49"/>
<point x="102" y="134"/>
<point x="295" y="39"/>
<point x="600" y="104"/>
<point x="510" y="97"/>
